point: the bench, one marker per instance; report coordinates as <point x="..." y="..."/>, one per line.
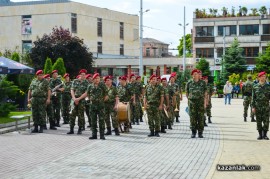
<point x="19" y="117"/>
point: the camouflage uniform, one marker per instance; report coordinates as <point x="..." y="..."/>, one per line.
<point x="50" y="116"/>
<point x="247" y="92"/>
<point x="163" y="118"/>
<point x="171" y="109"/>
<point x="135" y="108"/>
<point x="109" y="108"/>
<point x="87" y="110"/>
<point x="153" y="95"/>
<point x="260" y="101"/>
<point x="196" y="94"/>
<point x="96" y="95"/>
<point x="209" y="105"/>
<point x="39" y="93"/>
<point x="79" y="88"/>
<point x="56" y="100"/>
<point x="66" y="98"/>
<point x="176" y="90"/>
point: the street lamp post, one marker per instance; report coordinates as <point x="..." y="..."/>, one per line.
<point x="224" y="35"/>
<point x="184" y="40"/>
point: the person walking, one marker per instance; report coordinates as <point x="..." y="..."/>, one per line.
<point x="227" y="90"/>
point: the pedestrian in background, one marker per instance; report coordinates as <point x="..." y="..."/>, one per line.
<point x="227" y="90"/>
<point x="236" y="89"/>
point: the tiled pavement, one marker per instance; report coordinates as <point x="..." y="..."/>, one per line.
<point x="54" y="154"/>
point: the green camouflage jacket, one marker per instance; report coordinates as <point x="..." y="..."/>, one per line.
<point x="39" y="88"/>
<point x="124" y="93"/>
<point x="196" y="90"/>
<point x="112" y="94"/>
<point x="79" y="87"/>
<point x="260" y="95"/>
<point x="97" y="93"/>
<point x="153" y="94"/>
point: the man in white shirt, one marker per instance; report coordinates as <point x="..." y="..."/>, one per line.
<point x="227" y="90"/>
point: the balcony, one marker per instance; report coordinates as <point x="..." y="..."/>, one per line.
<point x="204" y="39"/>
<point x="265" y="37"/>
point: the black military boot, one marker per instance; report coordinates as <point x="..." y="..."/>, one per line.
<point x="260" y="137"/>
<point x="245" y="119"/>
<point x="94" y="136"/>
<point x="200" y="134"/>
<point x="177" y="120"/>
<point x="205" y="122"/>
<point x="163" y="129"/>
<point x="151" y="133"/>
<point x="57" y="124"/>
<point x="116" y="130"/>
<point x="193" y="135"/>
<point x="265" y="135"/>
<point x="71" y="130"/>
<point x="109" y="131"/>
<point x="137" y="122"/>
<point x="40" y="129"/>
<point x="79" y="130"/>
<point x="169" y="126"/>
<point x="130" y="126"/>
<point x="141" y="119"/>
<point x="157" y="134"/>
<point x="52" y="127"/>
<point x="209" y="120"/>
<point x="252" y="119"/>
<point x="102" y="136"/>
<point x="35" y="129"/>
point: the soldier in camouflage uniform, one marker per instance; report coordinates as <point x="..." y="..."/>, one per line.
<point x="196" y="92"/>
<point x="164" y="117"/>
<point x="210" y="91"/>
<point x="49" y="109"/>
<point x="178" y="95"/>
<point x="260" y="105"/>
<point x="153" y="102"/>
<point x="97" y="94"/>
<point x="140" y="83"/>
<point x="125" y="94"/>
<point x="56" y="96"/>
<point x="66" y="98"/>
<point x="87" y="102"/>
<point x="78" y="87"/>
<point x="111" y="106"/>
<point x="135" y="107"/>
<point x="39" y="96"/>
<point x="247" y="92"/>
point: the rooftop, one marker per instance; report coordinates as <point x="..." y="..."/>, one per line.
<point x="151" y="40"/>
<point x="10" y="3"/>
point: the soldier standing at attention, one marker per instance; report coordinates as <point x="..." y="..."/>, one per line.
<point x="49" y="109"/>
<point x="87" y="102"/>
<point x="66" y="98"/>
<point x="111" y="106"/>
<point x="209" y="104"/>
<point x="164" y="117"/>
<point x="177" y="93"/>
<point x="247" y="93"/>
<point x="153" y="102"/>
<point x="140" y="84"/>
<point x="260" y="105"/>
<point x="39" y="96"/>
<point x="97" y="94"/>
<point x="78" y="87"/>
<point x="135" y="107"/>
<point x="56" y="96"/>
<point x="196" y="92"/>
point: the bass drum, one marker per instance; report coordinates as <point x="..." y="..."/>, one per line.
<point x="123" y="112"/>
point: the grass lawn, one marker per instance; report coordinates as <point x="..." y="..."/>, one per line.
<point x="8" y="119"/>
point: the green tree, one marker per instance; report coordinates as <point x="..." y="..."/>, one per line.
<point x="203" y="65"/>
<point x="263" y="10"/>
<point x="233" y="61"/>
<point x="188" y="45"/>
<point x="48" y="66"/>
<point x="60" y="66"/>
<point x="15" y="56"/>
<point x="234" y="78"/>
<point x="263" y="61"/>
<point x="61" y="43"/>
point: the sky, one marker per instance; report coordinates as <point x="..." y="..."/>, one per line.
<point x="161" y="22"/>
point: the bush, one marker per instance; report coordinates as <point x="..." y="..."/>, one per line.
<point x="5" y="109"/>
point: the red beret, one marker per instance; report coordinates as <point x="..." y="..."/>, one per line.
<point x="88" y="76"/>
<point x="95" y="75"/>
<point x="173" y="74"/>
<point x="132" y="75"/>
<point x="162" y="79"/>
<point x="158" y="78"/>
<point x="54" y="71"/>
<point x="205" y="77"/>
<point x="39" y="72"/>
<point x="195" y="71"/>
<point x="124" y="78"/>
<point x="199" y="71"/>
<point x="83" y="71"/>
<point x="153" y="76"/>
<point x="261" y="73"/>
<point x="65" y="75"/>
<point x="78" y="76"/>
<point x="119" y="78"/>
<point x="138" y="77"/>
<point x="46" y="76"/>
<point x="108" y="77"/>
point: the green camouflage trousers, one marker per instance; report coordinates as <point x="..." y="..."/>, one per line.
<point x="77" y="111"/>
<point x="247" y="103"/>
<point x="87" y="111"/>
<point x="97" y="113"/>
<point x="208" y="109"/>
<point x="196" y="114"/>
<point x="65" y="100"/>
<point x="49" y="111"/>
<point x="135" y="110"/>
<point x="262" y="117"/>
<point x="176" y="114"/>
<point x="110" y="113"/>
<point x="153" y="117"/>
<point x="56" y="105"/>
<point x="163" y="118"/>
<point x="171" y="115"/>
<point x="39" y="110"/>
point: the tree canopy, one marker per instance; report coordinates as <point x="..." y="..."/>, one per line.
<point x="188" y="45"/>
<point x="263" y="61"/>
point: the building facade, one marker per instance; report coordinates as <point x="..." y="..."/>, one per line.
<point x="210" y="35"/>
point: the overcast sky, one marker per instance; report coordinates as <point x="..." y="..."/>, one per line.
<point x="164" y="16"/>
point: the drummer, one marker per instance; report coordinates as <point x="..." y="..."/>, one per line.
<point x="125" y="94"/>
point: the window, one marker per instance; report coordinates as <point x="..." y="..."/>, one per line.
<point x="121" y="49"/>
<point x="251" y="51"/>
<point x="99" y="47"/>
<point x="249" y="29"/>
<point x="99" y="27"/>
<point x="266" y="28"/>
<point x="229" y="30"/>
<point x="26" y="46"/>
<point x="148" y="52"/>
<point x="27" y="25"/>
<point x="73" y="23"/>
<point x="207" y="31"/>
<point x="204" y="53"/>
<point x="121" y="30"/>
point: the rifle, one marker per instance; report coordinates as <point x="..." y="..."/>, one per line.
<point x="55" y="89"/>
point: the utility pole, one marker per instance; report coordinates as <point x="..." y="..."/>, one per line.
<point x="224" y="35"/>
<point x="184" y="48"/>
<point x="141" y="41"/>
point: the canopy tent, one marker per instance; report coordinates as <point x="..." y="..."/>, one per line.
<point x="12" y="67"/>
